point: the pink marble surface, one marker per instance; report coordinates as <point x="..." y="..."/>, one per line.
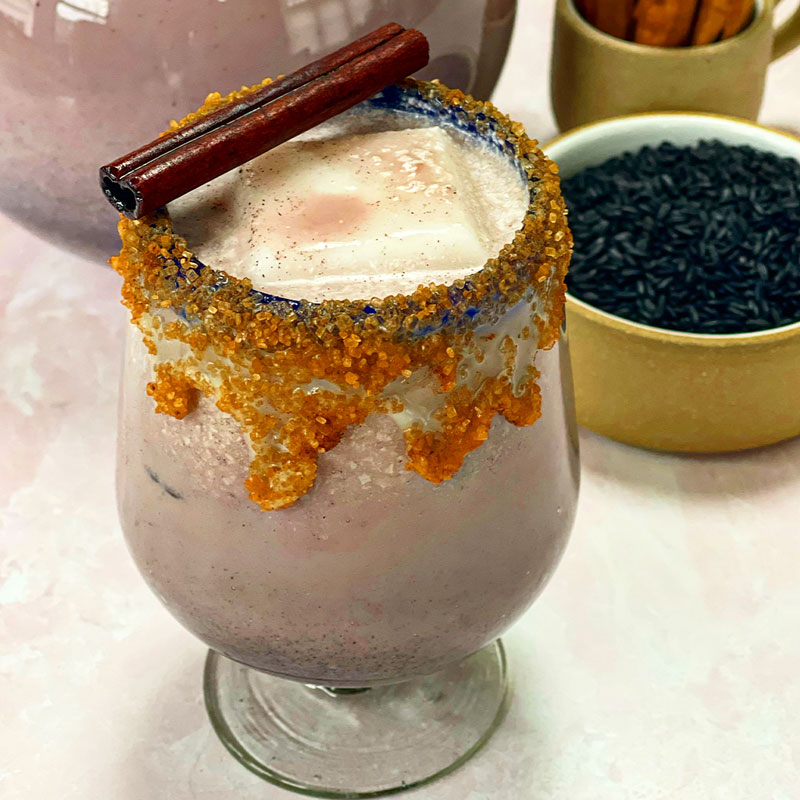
<point x="661" y="662"/>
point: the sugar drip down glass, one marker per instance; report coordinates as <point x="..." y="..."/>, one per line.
<point x="353" y="626"/>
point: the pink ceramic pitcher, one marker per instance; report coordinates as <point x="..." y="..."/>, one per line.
<point x="86" y="80"/>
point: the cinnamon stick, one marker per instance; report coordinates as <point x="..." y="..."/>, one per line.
<point x="681" y="26"/>
<point x="614" y="17"/>
<point x="739" y="13"/>
<point x="710" y="21"/>
<point x="664" y="23"/>
<point x="172" y="165"/>
<point x="588" y="8"/>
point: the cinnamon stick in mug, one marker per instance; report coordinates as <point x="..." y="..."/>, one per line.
<point x="588" y="9"/>
<point x="664" y="23"/>
<point x="710" y="21"/>
<point x="614" y="17"/>
<point x="738" y="17"/>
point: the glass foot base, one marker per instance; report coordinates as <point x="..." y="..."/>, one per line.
<point x="328" y="743"/>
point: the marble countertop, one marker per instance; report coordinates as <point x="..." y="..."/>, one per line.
<point x="661" y="662"/>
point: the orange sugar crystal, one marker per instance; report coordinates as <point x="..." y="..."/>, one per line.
<point x="264" y="362"/>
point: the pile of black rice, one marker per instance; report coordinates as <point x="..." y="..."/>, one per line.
<point x="703" y="239"/>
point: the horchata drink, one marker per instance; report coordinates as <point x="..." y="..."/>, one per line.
<point x="346" y="448"/>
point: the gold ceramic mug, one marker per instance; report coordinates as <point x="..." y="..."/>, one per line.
<point x="595" y="75"/>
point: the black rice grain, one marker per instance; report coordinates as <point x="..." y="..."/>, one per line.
<point x="702" y="239"/>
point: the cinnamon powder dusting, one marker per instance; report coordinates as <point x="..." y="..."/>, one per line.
<point x="297" y="375"/>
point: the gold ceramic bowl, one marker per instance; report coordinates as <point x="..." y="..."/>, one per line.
<point x="664" y="389"/>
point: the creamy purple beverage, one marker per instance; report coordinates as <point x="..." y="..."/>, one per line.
<point x="365" y="465"/>
<point x="375" y="574"/>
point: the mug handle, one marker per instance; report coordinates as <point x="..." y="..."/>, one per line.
<point x="787" y="37"/>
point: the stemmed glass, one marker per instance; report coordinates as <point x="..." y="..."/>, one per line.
<point x="354" y="633"/>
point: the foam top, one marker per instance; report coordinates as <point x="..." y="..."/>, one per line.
<point x="355" y="213"/>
